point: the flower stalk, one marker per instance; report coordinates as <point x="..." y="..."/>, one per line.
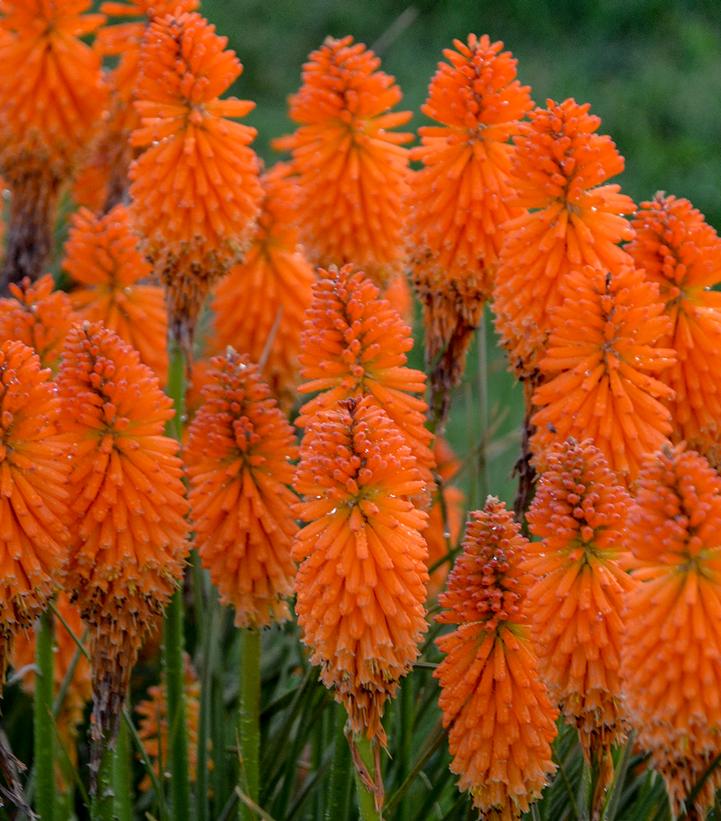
<point x="249" y="718"/>
<point x="44" y="720"/>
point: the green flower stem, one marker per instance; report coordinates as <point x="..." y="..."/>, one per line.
<point x="44" y="720"/>
<point x="249" y="718"/>
<point x="102" y="805"/>
<point x="122" y="779"/>
<point x="366" y="798"/>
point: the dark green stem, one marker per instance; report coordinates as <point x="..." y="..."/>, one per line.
<point x="101" y="808"/>
<point x="122" y="779"/>
<point x="249" y="718"/>
<point x="406" y="704"/>
<point x="44" y="720"/>
<point x="366" y="798"/>
<point x="340" y="774"/>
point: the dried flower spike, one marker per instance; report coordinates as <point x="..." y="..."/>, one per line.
<point x="38" y="316"/>
<point x="33" y="493"/>
<point x="355" y="344"/>
<point x="362" y="580"/>
<point x="102" y="257"/>
<point x="459" y="197"/>
<point x="259" y="307"/>
<point x="351" y="165"/>
<point x="238" y="456"/>
<point x="129" y="545"/>
<point x="577" y="587"/>
<point x="602" y="368"/>
<point x="569" y="220"/>
<point x="671" y="652"/>
<point x="682" y="253"/>
<point x="195" y="157"/>
<point x="499" y="718"/>
<point x="51" y="98"/>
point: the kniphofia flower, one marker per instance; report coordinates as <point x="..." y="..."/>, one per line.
<point x="577" y="588"/>
<point x="103" y="181"/>
<point x="354" y="344"/>
<point x="460" y="196"/>
<point x="153" y="724"/>
<point x="195" y="157"/>
<point x="79" y="689"/>
<point x="102" y="257"/>
<point x="33" y="492"/>
<point x="570" y="218"/>
<point x="671" y="652"/>
<point x="499" y="718"/>
<point x="238" y="455"/>
<point x="362" y="580"/>
<point x="602" y="368"/>
<point x="682" y="253"/>
<point x="38" y="316"/>
<point x="351" y="165"/>
<point x="128" y="547"/>
<point x="51" y="98"/>
<point x="259" y="307"/>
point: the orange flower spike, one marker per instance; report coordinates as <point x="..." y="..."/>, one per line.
<point x="195" y="157"/>
<point x="153" y="724"/>
<point x="575" y="600"/>
<point x="445" y="518"/>
<point x="569" y="220"/>
<point x="603" y="366"/>
<point x="499" y="718"/>
<point x="671" y="652"/>
<point x="238" y="455"/>
<point x="459" y="197"/>
<point x="351" y="165"/>
<point x="682" y="253"/>
<point x="362" y="580"/>
<point x="354" y="343"/>
<point x="262" y="301"/>
<point x="38" y="316"/>
<point x="33" y="492"/>
<point x="51" y="98"/>
<point x="129" y="543"/>
<point x="102" y="256"/>
<point x="79" y="689"/>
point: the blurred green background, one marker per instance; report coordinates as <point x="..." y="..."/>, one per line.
<point x="651" y="69"/>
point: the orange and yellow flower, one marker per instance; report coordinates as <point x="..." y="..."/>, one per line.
<point x="362" y="580"/>
<point x="499" y="718"/>
<point x="351" y="165"/>
<point x="459" y="198"/>
<point x="129" y="534"/>
<point x="569" y="220"/>
<point x="51" y="98"/>
<point x="577" y="588"/>
<point x="602" y="368"/>
<point x="38" y="316"/>
<point x="238" y="456"/>
<point x="682" y="253"/>
<point x="259" y="307"/>
<point x="195" y="157"/>
<point x="102" y="257"/>
<point x="34" y="496"/>
<point x="355" y="344"/>
<point x="671" y="652"/>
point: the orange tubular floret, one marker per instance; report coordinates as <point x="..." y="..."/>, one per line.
<point x="601" y="367"/>
<point x="362" y="580"/>
<point x="129" y="536"/>
<point x="354" y="343"/>
<point x="351" y="165"/>
<point x="195" y="157"/>
<point x="33" y="492"/>
<point x="259" y="307"/>
<point x="238" y="455"/>
<point x="569" y="220"/>
<point x="38" y="316"/>
<point x="102" y="256"/>
<point x="575" y="599"/>
<point x="499" y="718"/>
<point x="671" y="660"/>
<point x="459" y="197"/>
<point x="682" y="253"/>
